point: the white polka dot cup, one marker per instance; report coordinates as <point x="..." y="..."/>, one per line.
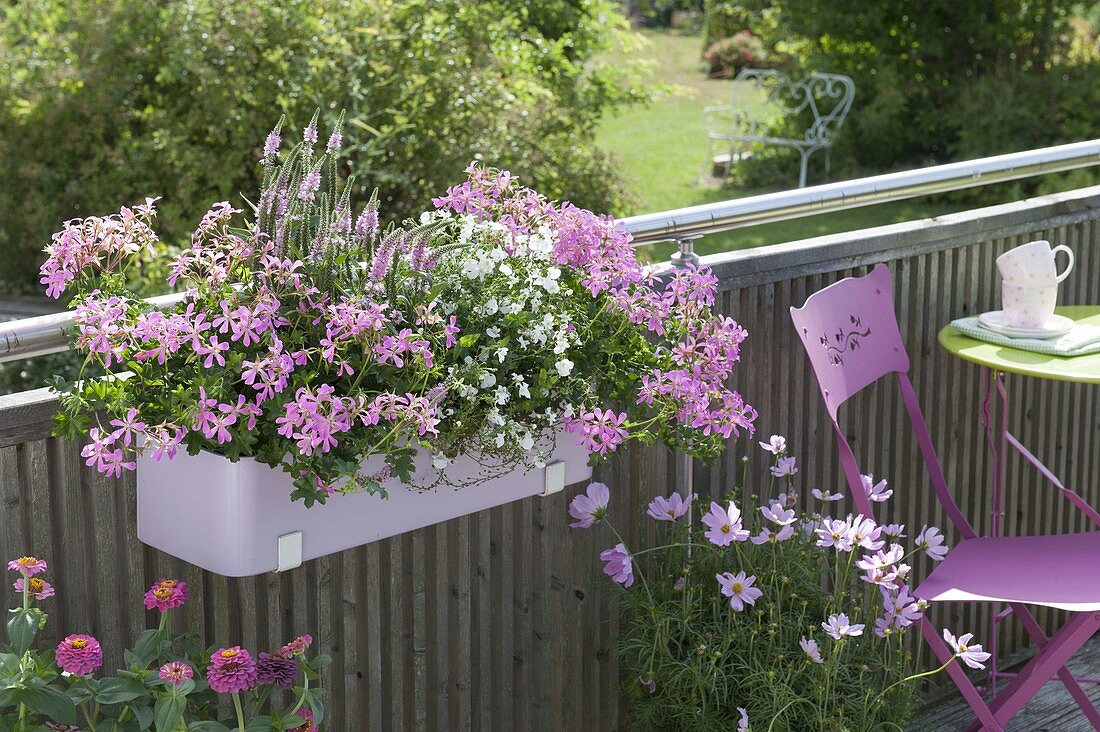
<point x="1028" y="306"/>
<point x="1033" y="264"/>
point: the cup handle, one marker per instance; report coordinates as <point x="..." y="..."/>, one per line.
<point x="1069" y="253"/>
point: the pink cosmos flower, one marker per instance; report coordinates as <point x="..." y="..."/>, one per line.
<point x="231" y="671"/>
<point x="79" y="654"/>
<point x="866" y="533"/>
<point x="778" y="514"/>
<point x="28" y="566"/>
<point x="589" y="507"/>
<point x="671" y="508"/>
<point x="810" y="648"/>
<point x="743" y="723"/>
<point x="876" y="491"/>
<point x="838" y="626"/>
<point x="768" y="534"/>
<point x="835" y="534"/>
<point x="972" y="655"/>
<point x="725" y="525"/>
<point x="784" y="467"/>
<point x="826" y="495"/>
<point x="930" y="541"/>
<point x="39" y="589"/>
<point x="176" y="672"/>
<point x="777" y="445"/>
<point x="620" y="565"/>
<point x="894" y="531"/>
<point x="648" y="684"/>
<point x="739" y="589"/>
<point x="165" y="595"/>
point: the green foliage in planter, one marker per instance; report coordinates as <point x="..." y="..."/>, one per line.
<point x="104" y="102"/>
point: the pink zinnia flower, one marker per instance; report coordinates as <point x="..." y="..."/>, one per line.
<point x="620" y="565"/>
<point x="297" y="646"/>
<point x="38" y="588"/>
<point x="671" y="508"/>
<point x="589" y="507"/>
<point x="725" y="525"/>
<point x="739" y="589"/>
<point x="307" y="725"/>
<point x="29" y="566"/>
<point x="777" y="445"/>
<point x="231" y="671"/>
<point x="810" y="648"/>
<point x="838" y="626"/>
<point x="930" y="541"/>
<point x="176" y="672"/>
<point x="79" y="654"/>
<point x="972" y="655"/>
<point x="166" y="594"/>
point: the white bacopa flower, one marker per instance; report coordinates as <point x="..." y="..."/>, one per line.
<point x="501" y="395"/>
<point x="502" y="353"/>
<point x="526" y="442"/>
<point x="440" y="461"/>
<point x="470" y="269"/>
<point x="493" y="332"/>
<point x="491" y="307"/>
<point x="564" y="367"/>
<point x="488" y="380"/>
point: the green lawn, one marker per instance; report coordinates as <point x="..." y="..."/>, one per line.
<point x="661" y="149"/>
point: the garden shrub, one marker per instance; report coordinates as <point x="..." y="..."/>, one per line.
<point x="741" y="50"/>
<point x="102" y="102"/>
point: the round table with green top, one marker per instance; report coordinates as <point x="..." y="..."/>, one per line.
<point x="999" y="360"/>
<point x="1004" y="359"/>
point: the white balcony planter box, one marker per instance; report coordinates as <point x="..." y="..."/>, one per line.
<point x="237" y="519"/>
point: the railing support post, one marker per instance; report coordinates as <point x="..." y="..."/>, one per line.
<point x="686" y="256"/>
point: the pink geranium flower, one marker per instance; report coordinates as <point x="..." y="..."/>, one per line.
<point x="79" y="654"/>
<point x="39" y="589"/>
<point x="166" y="595"/>
<point x="28" y="566"/>
<point x="725" y="525"/>
<point x="620" y="565"/>
<point x="589" y="507"/>
<point x="671" y="508"/>
<point x="231" y="671"/>
<point x="739" y="589"/>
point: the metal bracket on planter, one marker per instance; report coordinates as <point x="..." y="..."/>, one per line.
<point x="290" y="551"/>
<point x="554" y="478"/>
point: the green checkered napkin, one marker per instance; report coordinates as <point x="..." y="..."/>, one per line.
<point x="1082" y="339"/>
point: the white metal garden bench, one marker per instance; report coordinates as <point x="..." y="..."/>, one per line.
<point x="735" y="126"/>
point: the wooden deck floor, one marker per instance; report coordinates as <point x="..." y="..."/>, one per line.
<point x="1052" y="709"/>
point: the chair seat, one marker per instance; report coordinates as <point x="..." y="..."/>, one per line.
<point x="1060" y="570"/>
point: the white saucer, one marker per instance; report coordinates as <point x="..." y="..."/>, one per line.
<point x="997" y="321"/>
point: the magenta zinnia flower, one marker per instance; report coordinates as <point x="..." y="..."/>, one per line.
<point x="38" y="588"/>
<point x="176" y="672"/>
<point x="620" y="565"/>
<point x="231" y="671"/>
<point x="79" y="654"/>
<point x="307" y="724"/>
<point x="589" y="507"/>
<point x="276" y="669"/>
<point x="165" y="595"/>
<point x="29" y="566"/>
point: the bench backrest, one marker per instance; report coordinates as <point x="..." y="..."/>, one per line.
<point x="827" y="97"/>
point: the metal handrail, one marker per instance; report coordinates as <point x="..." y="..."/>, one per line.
<point x="42" y="335"/>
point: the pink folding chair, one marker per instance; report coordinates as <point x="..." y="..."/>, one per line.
<point x="851" y="335"/>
